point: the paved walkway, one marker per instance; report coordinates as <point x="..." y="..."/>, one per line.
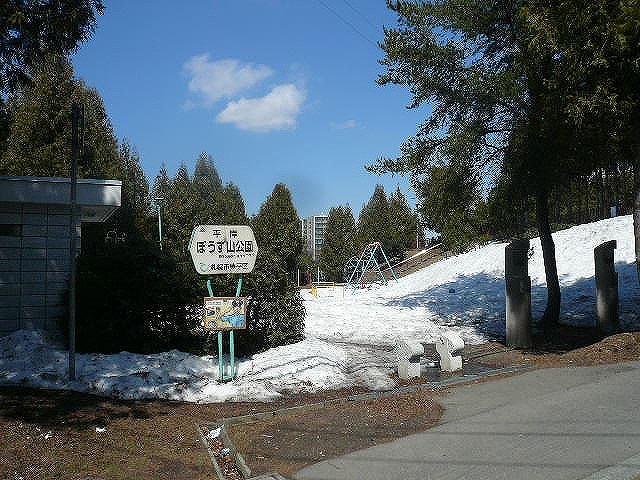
<point x="564" y="423"/>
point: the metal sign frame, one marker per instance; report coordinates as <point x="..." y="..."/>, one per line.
<point x="218" y="250"/>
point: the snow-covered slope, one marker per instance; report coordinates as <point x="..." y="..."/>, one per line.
<point x="464" y="293"/>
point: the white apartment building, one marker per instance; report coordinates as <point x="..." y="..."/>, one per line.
<point x="313" y="232"/>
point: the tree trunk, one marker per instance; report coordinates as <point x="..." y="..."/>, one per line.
<point x="636" y="209"/>
<point x="552" y="312"/>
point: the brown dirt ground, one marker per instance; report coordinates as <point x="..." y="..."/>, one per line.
<point x="52" y="434"/>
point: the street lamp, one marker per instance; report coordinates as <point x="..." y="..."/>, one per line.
<point x="159" y="206"/>
<point x="418" y="225"/>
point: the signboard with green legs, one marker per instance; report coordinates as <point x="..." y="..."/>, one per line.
<point x="216" y="250"/>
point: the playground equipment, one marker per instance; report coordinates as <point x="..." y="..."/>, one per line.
<point x="365" y="264"/>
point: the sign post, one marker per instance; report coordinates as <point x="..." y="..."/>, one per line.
<point x="216" y="250"/>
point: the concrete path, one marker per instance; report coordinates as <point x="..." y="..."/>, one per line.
<point x="564" y="423"/>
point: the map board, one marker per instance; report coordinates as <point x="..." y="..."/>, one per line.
<point x="219" y="249"/>
<point x="225" y="313"/>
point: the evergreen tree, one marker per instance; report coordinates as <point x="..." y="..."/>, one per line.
<point x="503" y="93"/>
<point x="207" y="191"/>
<point x="39" y="141"/>
<point x="180" y="212"/>
<point x="339" y="243"/>
<point x="32" y="31"/>
<point x="449" y="196"/>
<point x="276" y="311"/>
<point x="277" y="228"/>
<point x="405" y="223"/>
<point x="374" y="223"/>
<point x="234" y="210"/>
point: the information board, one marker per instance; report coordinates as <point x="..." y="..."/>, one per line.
<point x="219" y="249"/>
<point x="225" y="313"/>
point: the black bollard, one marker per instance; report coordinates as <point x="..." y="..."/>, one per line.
<point x="606" y="287"/>
<point x="518" y="294"/>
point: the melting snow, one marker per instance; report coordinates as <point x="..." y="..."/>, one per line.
<point x="349" y="338"/>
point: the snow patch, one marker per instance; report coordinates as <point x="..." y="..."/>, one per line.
<point x="464" y="293"/>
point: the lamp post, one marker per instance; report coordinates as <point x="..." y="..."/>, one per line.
<point x="158" y="201"/>
<point x="417" y="226"/>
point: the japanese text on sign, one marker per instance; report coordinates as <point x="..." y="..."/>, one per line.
<point x="218" y="249"/>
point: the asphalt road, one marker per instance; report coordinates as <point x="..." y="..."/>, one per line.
<point x="561" y="423"/>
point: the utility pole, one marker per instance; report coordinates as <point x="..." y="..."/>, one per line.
<point x="77" y="118"/>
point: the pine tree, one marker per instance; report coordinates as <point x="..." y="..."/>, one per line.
<point x="374" y="223"/>
<point x="180" y="212"/>
<point x="39" y="141"/>
<point x="339" y="243"/>
<point x="405" y="222"/>
<point x="277" y="228"/>
<point x="31" y="31"/>
<point x="234" y="210"/>
<point x="502" y="91"/>
<point x="276" y="312"/>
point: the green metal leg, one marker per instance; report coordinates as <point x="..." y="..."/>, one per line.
<point x="232" y="356"/>
<point x="220" y="357"/>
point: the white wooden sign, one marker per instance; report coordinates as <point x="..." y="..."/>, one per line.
<point x="219" y="249"/>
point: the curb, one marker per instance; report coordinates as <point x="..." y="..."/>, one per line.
<point x="201" y="427"/>
<point x="629" y="469"/>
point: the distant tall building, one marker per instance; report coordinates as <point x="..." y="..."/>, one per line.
<point x="313" y="232"/>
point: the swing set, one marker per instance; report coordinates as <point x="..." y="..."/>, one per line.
<point x="358" y="269"/>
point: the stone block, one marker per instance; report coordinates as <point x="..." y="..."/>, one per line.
<point x="10" y="242"/>
<point x="34" y="288"/>
<point x="518" y="294"/>
<point x="606" y="287"/>
<point x="60" y="220"/>
<point x="34" y="230"/>
<point x="58" y="231"/>
<point x="449" y="346"/>
<point x="408" y="356"/>
<point x="34" y="242"/>
<point x="33" y="253"/>
<point x="11" y="218"/>
<point x="34" y="265"/>
<point x="34" y="219"/>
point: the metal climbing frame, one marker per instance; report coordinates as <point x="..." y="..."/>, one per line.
<point x="366" y="263"/>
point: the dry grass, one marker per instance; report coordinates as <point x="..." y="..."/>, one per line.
<point x="52" y="434"/>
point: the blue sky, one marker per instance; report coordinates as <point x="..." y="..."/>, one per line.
<point x="274" y="90"/>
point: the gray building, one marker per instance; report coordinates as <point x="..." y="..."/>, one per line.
<point x="313" y="232"/>
<point x="35" y="230"/>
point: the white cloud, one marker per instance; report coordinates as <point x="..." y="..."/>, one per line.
<point x="277" y="110"/>
<point x="345" y="125"/>
<point x="222" y="78"/>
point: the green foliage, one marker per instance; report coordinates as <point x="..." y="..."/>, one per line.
<point x="339" y="243"/>
<point x="513" y="86"/>
<point x="33" y="30"/>
<point x="405" y="223"/>
<point x="389" y="221"/>
<point x="276" y="311"/>
<point x="39" y="140"/>
<point x="374" y="223"/>
<point x="449" y="204"/>
<point x="277" y="228"/>
<point x="132" y="298"/>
